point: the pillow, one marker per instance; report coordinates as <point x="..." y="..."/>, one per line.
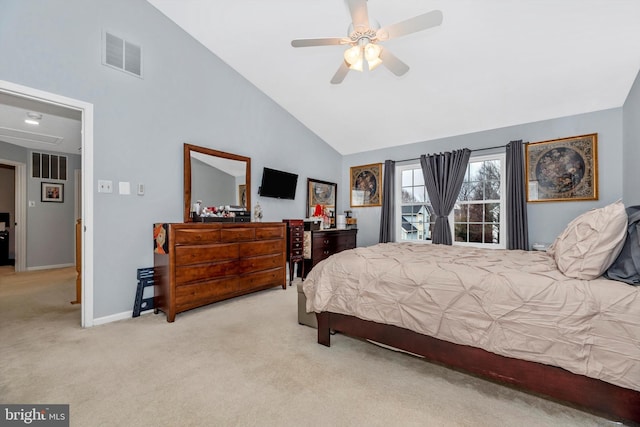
<point x="591" y="242"/>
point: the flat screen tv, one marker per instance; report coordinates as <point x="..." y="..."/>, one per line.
<point x="278" y="184"/>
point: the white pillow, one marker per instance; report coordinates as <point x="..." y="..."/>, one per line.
<point x="591" y="242"/>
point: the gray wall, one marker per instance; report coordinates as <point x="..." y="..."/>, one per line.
<point x="631" y="162"/>
<point x="546" y="220"/>
<point x="186" y="95"/>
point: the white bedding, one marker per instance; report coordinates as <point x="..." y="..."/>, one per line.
<point x="513" y="303"/>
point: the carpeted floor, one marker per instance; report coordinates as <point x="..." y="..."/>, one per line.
<point x="242" y="362"/>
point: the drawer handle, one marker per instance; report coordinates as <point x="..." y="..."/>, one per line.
<point x="326" y="252"/>
<point x="326" y="241"/>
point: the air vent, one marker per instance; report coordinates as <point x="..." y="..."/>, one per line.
<point x="122" y="55"/>
<point x="23" y="136"/>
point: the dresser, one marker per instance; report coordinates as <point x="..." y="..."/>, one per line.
<point x="200" y="263"/>
<point x="325" y="243"/>
<point x="295" y="239"/>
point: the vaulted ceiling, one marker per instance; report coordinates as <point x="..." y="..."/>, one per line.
<point x="492" y="63"/>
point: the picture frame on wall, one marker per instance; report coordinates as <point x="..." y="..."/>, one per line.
<point x="561" y="170"/>
<point x="322" y="193"/>
<point x="366" y="185"/>
<point x="52" y="192"/>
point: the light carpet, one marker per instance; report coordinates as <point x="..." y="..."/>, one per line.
<point x="241" y="362"/>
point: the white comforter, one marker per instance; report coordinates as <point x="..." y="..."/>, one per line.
<point x="513" y="303"/>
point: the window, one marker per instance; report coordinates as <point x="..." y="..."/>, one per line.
<point x="478" y="216"/>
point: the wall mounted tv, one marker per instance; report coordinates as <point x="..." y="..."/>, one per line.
<point x="278" y="184"/>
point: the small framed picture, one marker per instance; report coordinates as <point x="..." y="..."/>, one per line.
<point x="366" y="185"/>
<point x="52" y="192"/>
<point x="563" y="169"/>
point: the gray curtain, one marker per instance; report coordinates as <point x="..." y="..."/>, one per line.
<point x="443" y="176"/>
<point x="516" y="203"/>
<point x="387" y="226"/>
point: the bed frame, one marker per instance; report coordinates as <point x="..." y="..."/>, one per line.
<point x="592" y="395"/>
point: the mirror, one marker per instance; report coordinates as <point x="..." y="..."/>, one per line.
<point x="215" y="177"/>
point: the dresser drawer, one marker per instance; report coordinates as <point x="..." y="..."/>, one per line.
<point x="237" y="234"/>
<point x="259" y="263"/>
<point x="196" y="254"/>
<point x="263" y="247"/>
<point x="196" y="235"/>
<point x="201" y="293"/>
<point x="273" y="277"/>
<point x="196" y="273"/>
<point x="270" y="232"/>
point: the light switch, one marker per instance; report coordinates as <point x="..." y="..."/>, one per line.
<point x="32" y="203"/>
<point x="105" y="186"/>
<point x="140" y="189"/>
<point x="124" y="188"/>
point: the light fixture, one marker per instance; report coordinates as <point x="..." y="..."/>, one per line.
<point x="356" y="55"/>
<point x="353" y="56"/>
<point x="33" y="118"/>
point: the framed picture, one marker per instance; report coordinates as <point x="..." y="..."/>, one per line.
<point x="366" y="185"/>
<point x="321" y="193"/>
<point x="51" y="192"/>
<point x="563" y="169"/>
<point x="242" y="195"/>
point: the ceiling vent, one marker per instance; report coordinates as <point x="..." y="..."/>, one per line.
<point x="122" y="55"/>
<point x="10" y="135"/>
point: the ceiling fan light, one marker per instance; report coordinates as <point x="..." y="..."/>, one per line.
<point x="371" y="52"/>
<point x="353" y="56"/>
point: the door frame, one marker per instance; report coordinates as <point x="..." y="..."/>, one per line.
<point x="86" y="129"/>
<point x="20" y="216"/>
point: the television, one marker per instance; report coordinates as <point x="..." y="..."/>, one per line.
<point x="278" y="184"/>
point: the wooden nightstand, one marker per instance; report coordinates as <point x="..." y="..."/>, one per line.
<point x="295" y="244"/>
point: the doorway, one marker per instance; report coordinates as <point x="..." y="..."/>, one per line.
<point x="86" y="113"/>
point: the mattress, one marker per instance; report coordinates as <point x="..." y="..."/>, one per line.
<point x="509" y="302"/>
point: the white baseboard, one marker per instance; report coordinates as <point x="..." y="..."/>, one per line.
<point x="118" y="316"/>
<point x="50" y="267"/>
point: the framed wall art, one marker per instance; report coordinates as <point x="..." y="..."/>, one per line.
<point x="366" y="185"/>
<point x="321" y="193"/>
<point x="562" y="169"/>
<point x="52" y="192"/>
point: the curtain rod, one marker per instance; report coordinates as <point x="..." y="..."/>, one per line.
<point x="477" y="149"/>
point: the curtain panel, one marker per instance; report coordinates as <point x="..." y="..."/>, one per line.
<point x="387" y="220"/>
<point x="516" y="197"/>
<point x="443" y="176"/>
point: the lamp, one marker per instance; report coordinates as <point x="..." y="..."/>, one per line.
<point x="355" y="55"/>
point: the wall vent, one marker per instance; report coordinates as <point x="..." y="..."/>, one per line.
<point x="48" y="166"/>
<point x="122" y="55"/>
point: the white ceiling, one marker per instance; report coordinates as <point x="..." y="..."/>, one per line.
<point x="58" y="131"/>
<point x="492" y="63"/>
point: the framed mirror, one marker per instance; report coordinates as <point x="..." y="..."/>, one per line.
<point x="216" y="178"/>
<point x="322" y="193"/>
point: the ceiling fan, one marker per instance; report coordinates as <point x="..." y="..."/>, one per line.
<point x="364" y="37"/>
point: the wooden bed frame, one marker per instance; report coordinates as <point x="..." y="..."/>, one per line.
<point x="592" y="395"/>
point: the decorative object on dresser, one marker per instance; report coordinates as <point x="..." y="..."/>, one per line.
<point x="325" y="243"/>
<point x="200" y="263"/>
<point x="295" y="239"/>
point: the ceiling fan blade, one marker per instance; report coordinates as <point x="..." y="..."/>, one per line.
<point x="411" y="25"/>
<point x="392" y="62"/>
<point x="342" y="72"/>
<point x="329" y="41"/>
<point x="359" y="13"/>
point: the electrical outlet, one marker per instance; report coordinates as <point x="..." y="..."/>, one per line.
<point x="105" y="186"/>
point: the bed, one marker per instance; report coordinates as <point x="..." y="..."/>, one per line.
<point x="508" y="315"/>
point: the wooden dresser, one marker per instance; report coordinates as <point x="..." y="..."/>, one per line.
<point x="325" y="243"/>
<point x="199" y="263"/>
